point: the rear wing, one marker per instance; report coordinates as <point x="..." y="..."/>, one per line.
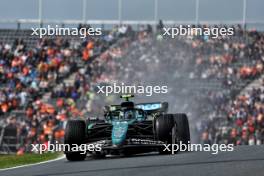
<point x="153" y="107"/>
<point x="148" y="107"/>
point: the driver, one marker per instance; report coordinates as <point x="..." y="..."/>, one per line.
<point x="129" y="114"/>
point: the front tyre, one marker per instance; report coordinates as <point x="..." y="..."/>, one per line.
<point x="75" y="134"/>
<point x="182" y="128"/>
<point x="164" y="124"/>
<point x="172" y="129"/>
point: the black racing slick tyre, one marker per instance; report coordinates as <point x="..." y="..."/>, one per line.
<point x="172" y="129"/>
<point x="75" y="134"/>
<point x="163" y="127"/>
<point x="182" y="128"/>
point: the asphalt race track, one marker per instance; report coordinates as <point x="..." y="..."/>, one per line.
<point x="243" y="161"/>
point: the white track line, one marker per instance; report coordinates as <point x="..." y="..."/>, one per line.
<point x="43" y="162"/>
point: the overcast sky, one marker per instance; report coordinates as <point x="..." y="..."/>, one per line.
<point x="219" y="10"/>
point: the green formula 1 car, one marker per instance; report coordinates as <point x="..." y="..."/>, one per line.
<point x="128" y="129"/>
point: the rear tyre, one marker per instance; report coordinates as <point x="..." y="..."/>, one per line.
<point x="75" y="134"/>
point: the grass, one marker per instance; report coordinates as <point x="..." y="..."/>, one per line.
<point x="7" y="161"/>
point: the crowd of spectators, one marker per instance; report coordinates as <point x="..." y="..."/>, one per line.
<point x="195" y="69"/>
<point x="205" y="70"/>
<point x="244" y="123"/>
<point x="28" y="75"/>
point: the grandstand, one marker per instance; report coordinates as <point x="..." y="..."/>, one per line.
<point x="31" y="68"/>
<point x="44" y="82"/>
<point x="211" y="74"/>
